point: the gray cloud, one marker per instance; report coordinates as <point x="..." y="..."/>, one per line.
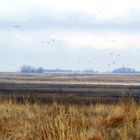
<point x="74" y="21"/>
<point x="22" y="45"/>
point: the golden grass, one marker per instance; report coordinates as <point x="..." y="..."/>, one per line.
<point x="69" y="122"/>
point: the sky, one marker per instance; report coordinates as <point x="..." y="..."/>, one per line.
<point x="70" y="34"/>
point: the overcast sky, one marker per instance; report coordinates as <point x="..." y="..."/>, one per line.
<point x="69" y="34"/>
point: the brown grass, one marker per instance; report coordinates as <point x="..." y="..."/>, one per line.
<point x="69" y="122"/>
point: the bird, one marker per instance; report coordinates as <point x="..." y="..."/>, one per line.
<point x="113" y="63"/>
<point x="52" y="40"/>
<point x="16" y="26"/>
<point x="48" y="42"/>
<point x="11" y="64"/>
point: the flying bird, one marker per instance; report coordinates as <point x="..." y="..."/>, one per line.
<point x="48" y="42"/>
<point x="52" y="40"/>
<point x="11" y="64"/>
<point x="16" y="26"/>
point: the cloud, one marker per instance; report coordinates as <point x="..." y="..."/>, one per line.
<point x="31" y="40"/>
<point x="100" y="40"/>
<point x="80" y="28"/>
<point x="43" y="20"/>
<point x="86" y="15"/>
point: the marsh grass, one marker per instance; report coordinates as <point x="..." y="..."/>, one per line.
<point x="34" y="121"/>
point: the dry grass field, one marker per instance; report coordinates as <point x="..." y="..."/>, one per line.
<point x="70" y="88"/>
<point x="55" y="121"/>
<point x="77" y="78"/>
<point x="69" y="107"/>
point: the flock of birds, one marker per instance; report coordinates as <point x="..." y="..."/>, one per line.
<point x="51" y="42"/>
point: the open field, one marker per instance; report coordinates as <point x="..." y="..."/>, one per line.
<point x="27" y="121"/>
<point x="69" y="107"/>
<point x="70" y="88"/>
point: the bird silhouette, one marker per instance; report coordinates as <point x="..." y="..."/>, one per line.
<point x="52" y="40"/>
<point x="16" y="26"/>
<point x="48" y="42"/>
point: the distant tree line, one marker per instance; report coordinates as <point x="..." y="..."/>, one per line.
<point x="30" y="69"/>
<point x="124" y="70"/>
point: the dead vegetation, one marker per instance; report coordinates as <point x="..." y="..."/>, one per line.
<point x="27" y="121"/>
